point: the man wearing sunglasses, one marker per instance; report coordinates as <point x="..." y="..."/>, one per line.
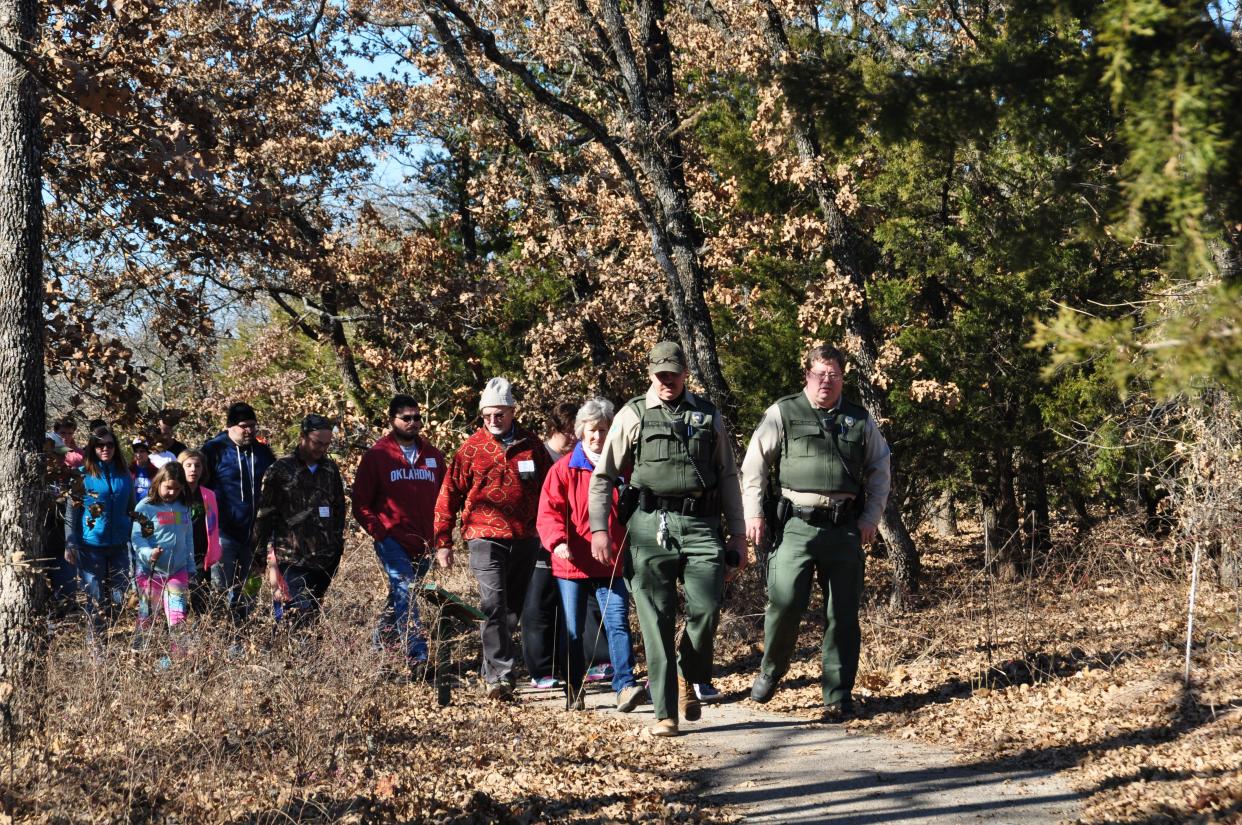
<point x="494" y="482"/>
<point x="394" y="500"/>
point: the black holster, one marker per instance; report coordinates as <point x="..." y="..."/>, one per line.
<point x="627" y="502"/>
<point x="782" y="512"/>
<point x="706" y="505"/>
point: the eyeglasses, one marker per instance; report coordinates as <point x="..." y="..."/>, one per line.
<point x="409" y="418"/>
<point x="493" y="416"/>
<point x="825" y="377"/>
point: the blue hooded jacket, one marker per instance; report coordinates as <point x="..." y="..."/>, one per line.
<point x="171" y="529"/>
<point x="236" y="479"/>
<point x="113" y="493"/>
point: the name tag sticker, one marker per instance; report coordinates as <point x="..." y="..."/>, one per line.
<point x="431" y="462"/>
<point x="526" y="466"/>
<point x="324" y="512"/>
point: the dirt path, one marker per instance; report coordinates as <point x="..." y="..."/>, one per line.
<point x="775" y="768"/>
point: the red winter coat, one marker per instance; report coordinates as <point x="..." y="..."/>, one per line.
<point x="395" y="498"/>
<point x="563" y="519"/>
<point x="484" y="486"/>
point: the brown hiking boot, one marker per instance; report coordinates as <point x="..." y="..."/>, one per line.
<point x="688" y="701"/>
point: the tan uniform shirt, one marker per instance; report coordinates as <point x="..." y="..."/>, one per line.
<point x="618" y="458"/>
<point x="765" y="450"/>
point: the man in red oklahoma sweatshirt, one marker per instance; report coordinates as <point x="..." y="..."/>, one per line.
<point x="494" y="482"/>
<point x="394" y="499"/>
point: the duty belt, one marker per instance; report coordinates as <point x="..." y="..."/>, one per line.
<point x="702" y="506"/>
<point x="841" y="512"/>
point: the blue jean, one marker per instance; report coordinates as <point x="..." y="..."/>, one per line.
<point x="398" y="623"/>
<point x="229" y="575"/>
<point x="614" y="607"/>
<point x="105" y="580"/>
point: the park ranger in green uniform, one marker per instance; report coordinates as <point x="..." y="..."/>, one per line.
<point x="675" y="447"/>
<point x="828" y="458"/>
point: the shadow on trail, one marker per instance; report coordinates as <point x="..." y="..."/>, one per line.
<point x="1191" y="715"/>
<point x="790" y="776"/>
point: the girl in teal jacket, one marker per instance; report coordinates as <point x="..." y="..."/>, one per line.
<point x="163" y="542"/>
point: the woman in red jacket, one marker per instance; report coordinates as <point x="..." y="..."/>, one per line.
<point x="564" y="526"/>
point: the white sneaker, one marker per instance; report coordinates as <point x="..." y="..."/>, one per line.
<point x="707" y="694"/>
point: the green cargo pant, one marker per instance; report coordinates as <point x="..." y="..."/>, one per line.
<point x="694" y="554"/>
<point x="836" y="554"/>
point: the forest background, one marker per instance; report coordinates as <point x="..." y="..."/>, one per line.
<point x="1022" y="221"/>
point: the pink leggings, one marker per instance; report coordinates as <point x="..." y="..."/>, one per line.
<point x="174" y="591"/>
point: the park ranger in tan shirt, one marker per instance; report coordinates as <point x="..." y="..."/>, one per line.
<point x="686" y="477"/>
<point x="826" y="452"/>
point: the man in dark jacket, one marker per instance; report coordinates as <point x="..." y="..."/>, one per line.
<point x="302" y="515"/>
<point x="394" y="500"/>
<point x="236" y="462"/>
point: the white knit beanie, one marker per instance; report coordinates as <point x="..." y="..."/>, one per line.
<point x="497" y="393"/>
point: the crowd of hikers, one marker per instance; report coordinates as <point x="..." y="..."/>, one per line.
<point x="563" y="533"/>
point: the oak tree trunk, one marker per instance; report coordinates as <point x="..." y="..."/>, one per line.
<point x="944" y="517"/>
<point x="22" y="498"/>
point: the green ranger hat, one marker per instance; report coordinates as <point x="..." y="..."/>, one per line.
<point x="666" y="356"/>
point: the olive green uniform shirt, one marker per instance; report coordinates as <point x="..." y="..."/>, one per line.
<point x="618" y="457"/>
<point x="765" y="451"/>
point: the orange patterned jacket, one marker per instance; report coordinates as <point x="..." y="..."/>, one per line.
<point x="496" y="490"/>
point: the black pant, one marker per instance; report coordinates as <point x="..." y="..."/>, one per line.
<point x="502" y="568"/>
<point x="307" y="587"/>
<point x="543" y="629"/>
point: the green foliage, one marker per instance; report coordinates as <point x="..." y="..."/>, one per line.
<point x="763" y="362"/>
<point x="277" y="371"/>
<point x="988" y="201"/>
<point x="1175" y="81"/>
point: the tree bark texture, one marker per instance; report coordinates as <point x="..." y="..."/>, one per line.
<point x="1001" y="516"/>
<point x="845" y="250"/>
<point x="23" y="499"/>
<point x="944" y="517"/>
<point x="650" y="119"/>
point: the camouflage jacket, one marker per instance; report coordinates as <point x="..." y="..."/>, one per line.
<point x="302" y="514"/>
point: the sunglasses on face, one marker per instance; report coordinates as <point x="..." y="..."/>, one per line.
<point x="105" y="445"/>
<point x="412" y="417"/>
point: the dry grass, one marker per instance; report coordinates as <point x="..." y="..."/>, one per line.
<point x="1077" y="668"/>
<point x="310" y="731"/>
